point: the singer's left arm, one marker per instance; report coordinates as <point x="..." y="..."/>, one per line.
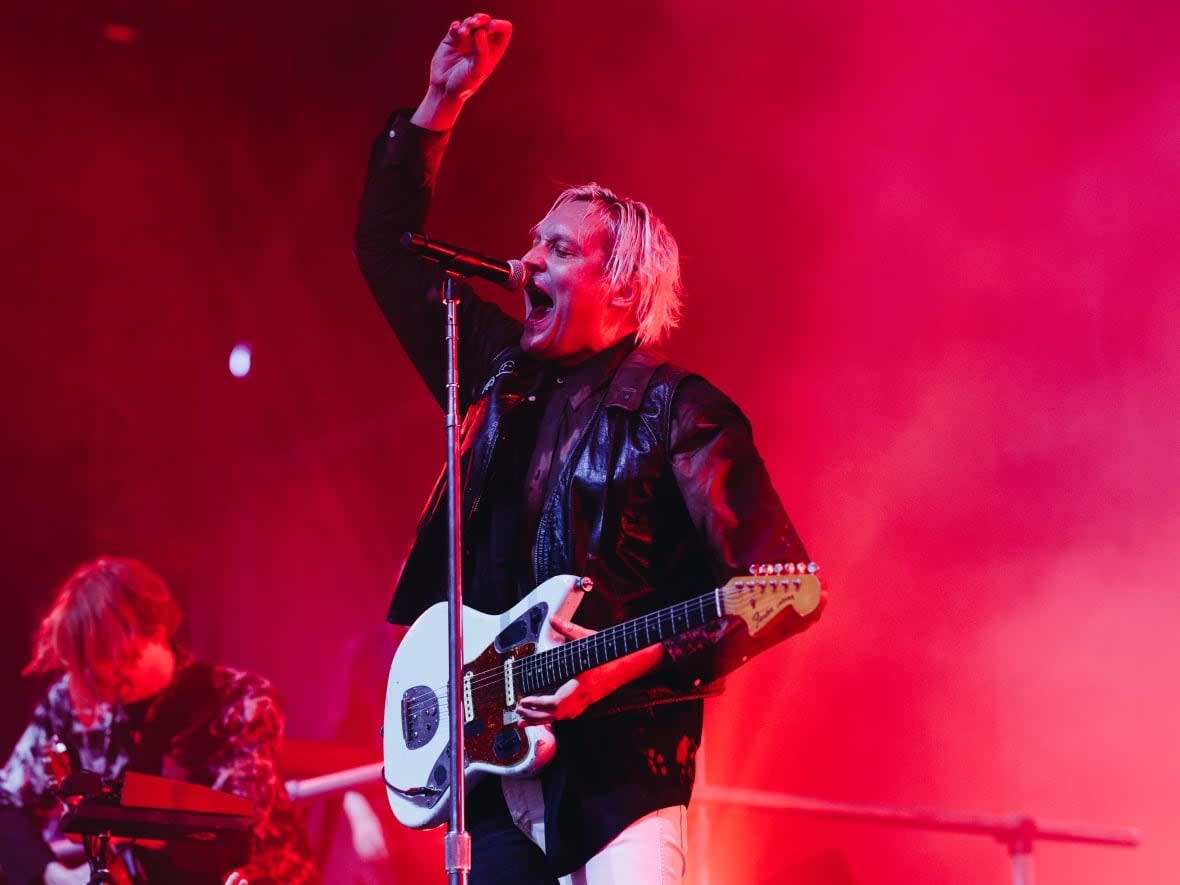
<point x="399" y="186"/>
<point x="739" y="518"/>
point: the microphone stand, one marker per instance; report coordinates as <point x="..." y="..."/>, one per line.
<point x="456" y="263"/>
<point x="457" y="844"/>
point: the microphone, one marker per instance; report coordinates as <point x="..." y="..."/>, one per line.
<point x="511" y="274"/>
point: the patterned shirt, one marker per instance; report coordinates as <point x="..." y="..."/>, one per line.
<point x="212" y="726"/>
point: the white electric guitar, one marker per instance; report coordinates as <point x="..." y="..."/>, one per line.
<point x="516" y="654"/>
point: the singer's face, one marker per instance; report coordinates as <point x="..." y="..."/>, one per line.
<point x="568" y="310"/>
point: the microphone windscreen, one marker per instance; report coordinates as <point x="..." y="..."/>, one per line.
<point x="518" y="275"/>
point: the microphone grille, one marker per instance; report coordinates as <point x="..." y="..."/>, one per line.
<point x="518" y="275"/>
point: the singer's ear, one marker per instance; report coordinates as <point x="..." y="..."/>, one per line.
<point x="626" y="296"/>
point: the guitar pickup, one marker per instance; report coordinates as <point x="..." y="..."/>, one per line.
<point x="509" y="687"/>
<point x="468" y="697"/>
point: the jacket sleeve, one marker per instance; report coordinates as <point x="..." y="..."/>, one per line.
<point x="399" y="188"/>
<point x="736" y="511"/>
<point x="247" y="734"/>
<point x="26" y="804"/>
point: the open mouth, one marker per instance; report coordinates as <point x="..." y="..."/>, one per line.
<point x="538" y="302"/>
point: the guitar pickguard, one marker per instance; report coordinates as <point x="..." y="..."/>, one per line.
<point x="436" y="786"/>
<point x="526" y="628"/>
<point x="495" y="735"/>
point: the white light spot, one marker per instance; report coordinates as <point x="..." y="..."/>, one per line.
<point x="239" y="360"/>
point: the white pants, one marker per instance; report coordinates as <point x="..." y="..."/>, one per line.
<point x="651" y="851"/>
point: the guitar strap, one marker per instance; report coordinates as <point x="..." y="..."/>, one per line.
<point x="632" y="379"/>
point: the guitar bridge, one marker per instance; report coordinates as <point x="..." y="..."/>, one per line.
<point x="420" y="716"/>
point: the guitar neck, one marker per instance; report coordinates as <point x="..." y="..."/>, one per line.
<point x="549" y="669"/>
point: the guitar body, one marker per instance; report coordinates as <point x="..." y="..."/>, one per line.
<point x="417" y="722"/>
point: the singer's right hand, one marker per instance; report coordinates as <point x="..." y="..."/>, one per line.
<point x="464" y="59"/>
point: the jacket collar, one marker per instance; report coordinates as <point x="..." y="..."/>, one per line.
<point x="594" y="372"/>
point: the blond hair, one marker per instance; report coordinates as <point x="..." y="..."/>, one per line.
<point x="643" y="254"/>
<point x="98" y="613"/>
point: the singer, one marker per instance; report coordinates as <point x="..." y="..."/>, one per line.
<point x="587" y="453"/>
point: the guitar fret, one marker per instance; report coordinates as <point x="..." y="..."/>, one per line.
<point x="548" y="669"/>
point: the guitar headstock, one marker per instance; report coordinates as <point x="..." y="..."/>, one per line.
<point x="769" y="590"/>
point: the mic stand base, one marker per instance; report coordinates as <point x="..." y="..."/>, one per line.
<point x="457" y="847"/>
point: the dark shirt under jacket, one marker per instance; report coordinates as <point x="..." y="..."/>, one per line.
<point x="626" y="468"/>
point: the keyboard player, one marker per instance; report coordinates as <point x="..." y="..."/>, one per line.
<point x="129" y="699"/>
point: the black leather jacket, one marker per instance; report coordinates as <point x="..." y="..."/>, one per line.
<point x="663" y="497"/>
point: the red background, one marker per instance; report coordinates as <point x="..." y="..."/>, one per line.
<point x="932" y="252"/>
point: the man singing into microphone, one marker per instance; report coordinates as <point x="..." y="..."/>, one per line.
<point x="585" y="453"/>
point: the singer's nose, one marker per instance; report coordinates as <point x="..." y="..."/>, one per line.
<point x="534" y="259"/>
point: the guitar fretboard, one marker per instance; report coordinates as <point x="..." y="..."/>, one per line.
<point x="549" y="669"/>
